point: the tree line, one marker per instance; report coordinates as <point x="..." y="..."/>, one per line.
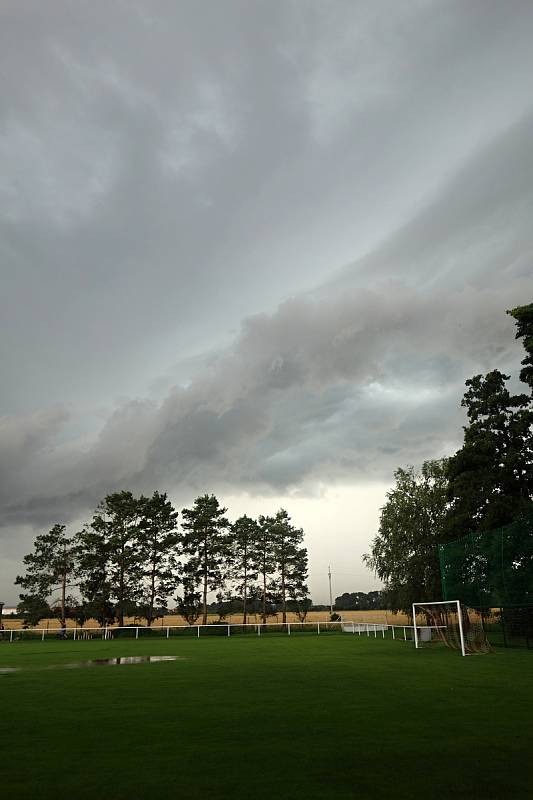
<point x="486" y="484"/>
<point x="359" y="601"/>
<point x="132" y="557"/>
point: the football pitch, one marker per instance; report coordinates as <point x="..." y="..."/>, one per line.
<point x="333" y="716"/>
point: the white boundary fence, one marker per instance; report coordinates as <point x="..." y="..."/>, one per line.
<point x="227" y="629"/>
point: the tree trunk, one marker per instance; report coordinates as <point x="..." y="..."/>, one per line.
<point x="63" y="594"/>
<point x="204" y="601"/>
<point x="264" y="598"/>
<point x="150" y="616"/>
<point x="204" y="594"/>
<point x="283" y="600"/>
<point x="244" y="618"/>
<point x="121" y="594"/>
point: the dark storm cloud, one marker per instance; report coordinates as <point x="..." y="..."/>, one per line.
<point x="347" y="386"/>
<point x="167" y="170"/>
<point x="168" y="173"/>
<point x="476" y="230"/>
<point x="22" y="437"/>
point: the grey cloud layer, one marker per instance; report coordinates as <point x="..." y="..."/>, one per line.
<point x="342" y="388"/>
<point x="167" y="171"/>
<point x="167" y="175"/>
<point x="476" y="231"/>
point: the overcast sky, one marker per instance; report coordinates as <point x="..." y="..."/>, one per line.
<point x="253" y="248"/>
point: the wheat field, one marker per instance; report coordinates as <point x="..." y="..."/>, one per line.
<point x="175" y="619"/>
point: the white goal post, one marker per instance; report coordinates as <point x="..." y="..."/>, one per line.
<point x="448" y="605"/>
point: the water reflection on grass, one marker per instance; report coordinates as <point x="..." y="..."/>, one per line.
<point x="113" y="662"/>
<point x="101" y="662"/>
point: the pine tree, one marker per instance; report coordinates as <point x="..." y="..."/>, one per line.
<point x="244" y="558"/>
<point x="290" y="559"/>
<point x="189" y="603"/>
<point x="93" y="570"/>
<point x="205" y="542"/>
<point x="112" y="555"/>
<point x="266" y="564"/>
<point x="298" y="591"/>
<point x="121" y="513"/>
<point x="49" y="568"/>
<point x="158" y="538"/>
<point x="491" y="476"/>
<point x="34" y="607"/>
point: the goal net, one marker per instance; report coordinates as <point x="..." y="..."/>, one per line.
<point x="449" y="622"/>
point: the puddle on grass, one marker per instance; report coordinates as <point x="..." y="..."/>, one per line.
<point x="103" y="662"/>
<point x="113" y="662"/>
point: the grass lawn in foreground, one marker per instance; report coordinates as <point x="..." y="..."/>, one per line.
<point x="334" y="716"/>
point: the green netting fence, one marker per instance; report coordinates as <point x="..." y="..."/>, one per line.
<point x="493" y="573"/>
<point x="492" y="568"/>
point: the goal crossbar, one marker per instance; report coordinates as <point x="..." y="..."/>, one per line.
<point x="456" y="604"/>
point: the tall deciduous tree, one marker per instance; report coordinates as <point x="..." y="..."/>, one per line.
<point x="205" y="542"/>
<point x="524" y="330"/>
<point x="158" y="538"/>
<point x="359" y="601"/>
<point x="404" y="554"/>
<point x="244" y="558"/>
<point x="49" y="568"/>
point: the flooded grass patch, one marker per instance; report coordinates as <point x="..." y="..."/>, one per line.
<point x="121" y="660"/>
<point x="99" y="662"/>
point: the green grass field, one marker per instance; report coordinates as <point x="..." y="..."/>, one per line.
<point x="336" y="716"/>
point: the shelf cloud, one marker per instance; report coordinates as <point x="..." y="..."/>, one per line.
<point x="256" y="249"/>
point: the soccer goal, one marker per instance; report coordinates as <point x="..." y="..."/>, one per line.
<point x="452" y="624"/>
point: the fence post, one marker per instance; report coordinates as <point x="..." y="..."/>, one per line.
<point x="392" y="628"/>
<point x="198" y="631"/>
<point x="259" y="630"/>
<point x="289" y="628"/>
<point x="367" y="631"/>
<point x="42" y="637"/>
<point x="318" y="628"/>
<point x="460" y="618"/>
<point x="502" y="623"/>
<point x="137" y="632"/>
<point x="11" y="635"/>
<point x="404" y="634"/>
<point x="228" y="631"/>
<point x="168" y="631"/>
